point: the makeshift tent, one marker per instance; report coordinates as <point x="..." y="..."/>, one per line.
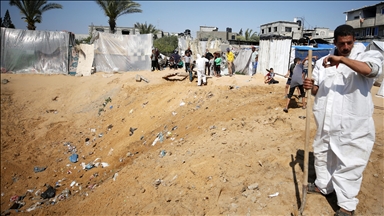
<point x="114" y="52"/>
<point x="197" y="46"/>
<point x="41" y="52"/>
<point x="379" y="46"/>
<point x="242" y="60"/>
<point x="274" y="53"/>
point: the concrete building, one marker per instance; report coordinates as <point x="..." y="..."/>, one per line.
<point x="207" y="32"/>
<point x="282" y="28"/>
<point x="123" y="30"/>
<point x="367" y="21"/>
<point x="295" y="30"/>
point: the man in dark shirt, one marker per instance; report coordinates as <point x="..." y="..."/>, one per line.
<point x="208" y="56"/>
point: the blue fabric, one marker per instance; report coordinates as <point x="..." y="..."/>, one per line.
<point x="73" y="158"/>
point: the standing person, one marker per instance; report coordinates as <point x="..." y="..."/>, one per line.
<point x="217" y="64"/>
<point x="296" y="81"/>
<point x="251" y="67"/>
<point x="289" y="75"/>
<point x="188" y="51"/>
<point x="230" y="58"/>
<point x="343" y="110"/>
<point x="153" y="59"/>
<point x="176" y="59"/>
<point x="200" y="66"/>
<point x="157" y="55"/>
<point x="187" y="60"/>
<point x="208" y="56"/>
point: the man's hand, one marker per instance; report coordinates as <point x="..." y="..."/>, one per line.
<point x="308" y="83"/>
<point x="332" y="60"/>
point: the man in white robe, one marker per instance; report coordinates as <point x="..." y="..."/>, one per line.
<point x="343" y="110"/>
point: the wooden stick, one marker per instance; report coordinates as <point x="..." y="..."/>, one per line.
<point x="307" y="136"/>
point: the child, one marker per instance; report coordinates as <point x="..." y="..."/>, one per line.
<point x="297" y="81"/>
<point x="187" y="60"/>
<point x="269" y="78"/>
<point x="217" y="64"/>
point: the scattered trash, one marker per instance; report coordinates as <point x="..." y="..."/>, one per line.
<point x="224" y="129"/>
<point x="131" y="130"/>
<point x="49" y="193"/>
<point x="253" y="186"/>
<point x="110" y="152"/>
<point x="100" y="135"/>
<point x="131" y="111"/>
<point x="260" y="163"/>
<point x="73" y="158"/>
<point x="174" y="113"/>
<point x="93" y="130"/>
<point x="174" y="128"/>
<point x="107" y="101"/>
<point x="182" y="104"/>
<point x="55" y="98"/>
<point x="51" y="111"/>
<point x="72" y="184"/>
<point x="4" y="81"/>
<point x="157" y="182"/>
<point x="110" y="107"/>
<point x="162" y="153"/>
<point x="109" y="127"/>
<point x="88" y="166"/>
<point x="159" y="137"/>
<point x="138" y="78"/>
<point x="274" y="195"/>
<point x="302" y="117"/>
<point x="212" y="127"/>
<point x="39" y="169"/>
<point x="115" y="176"/>
<point x="104" y="164"/>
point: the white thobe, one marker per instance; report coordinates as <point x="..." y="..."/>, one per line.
<point x="345" y="135"/>
<point x="200" y="66"/>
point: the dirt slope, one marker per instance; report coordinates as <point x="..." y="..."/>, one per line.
<point x="226" y="147"/>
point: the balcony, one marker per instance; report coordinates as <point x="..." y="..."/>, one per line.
<point x="368" y="22"/>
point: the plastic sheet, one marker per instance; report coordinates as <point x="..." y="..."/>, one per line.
<point x="41" y="52"/>
<point x="121" y="53"/>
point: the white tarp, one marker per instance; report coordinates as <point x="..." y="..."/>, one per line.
<point x="242" y="60"/>
<point x="121" y="53"/>
<point x="274" y="53"/>
<point x="86" y="56"/>
<point x="40" y="52"/>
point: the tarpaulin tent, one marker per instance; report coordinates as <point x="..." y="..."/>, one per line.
<point x="41" y="52"/>
<point x="274" y="53"/>
<point x="115" y="52"/>
<point x="242" y="60"/>
<point x="302" y="51"/>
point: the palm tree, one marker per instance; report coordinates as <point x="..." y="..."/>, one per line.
<point x="115" y="8"/>
<point x="248" y="34"/>
<point x="146" y="29"/>
<point x="32" y="10"/>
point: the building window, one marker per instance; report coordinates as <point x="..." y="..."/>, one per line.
<point x="269" y="29"/>
<point x="382" y="10"/>
<point x="275" y="29"/>
<point x="376" y="31"/>
<point x="262" y="31"/>
<point x="288" y="29"/>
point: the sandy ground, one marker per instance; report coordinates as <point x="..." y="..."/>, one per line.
<point x="222" y="149"/>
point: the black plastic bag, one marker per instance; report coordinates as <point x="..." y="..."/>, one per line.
<point x="49" y="193"/>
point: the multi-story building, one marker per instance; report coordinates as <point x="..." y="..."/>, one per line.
<point x="367" y="21"/>
<point x="294" y="29"/>
<point x="214" y="33"/>
<point x="282" y="28"/>
<point x="123" y="30"/>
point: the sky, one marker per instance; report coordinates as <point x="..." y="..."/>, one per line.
<point x="177" y="16"/>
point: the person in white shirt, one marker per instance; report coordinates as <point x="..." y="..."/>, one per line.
<point x="200" y="67"/>
<point x="251" y="67"/>
<point x="343" y="110"/>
